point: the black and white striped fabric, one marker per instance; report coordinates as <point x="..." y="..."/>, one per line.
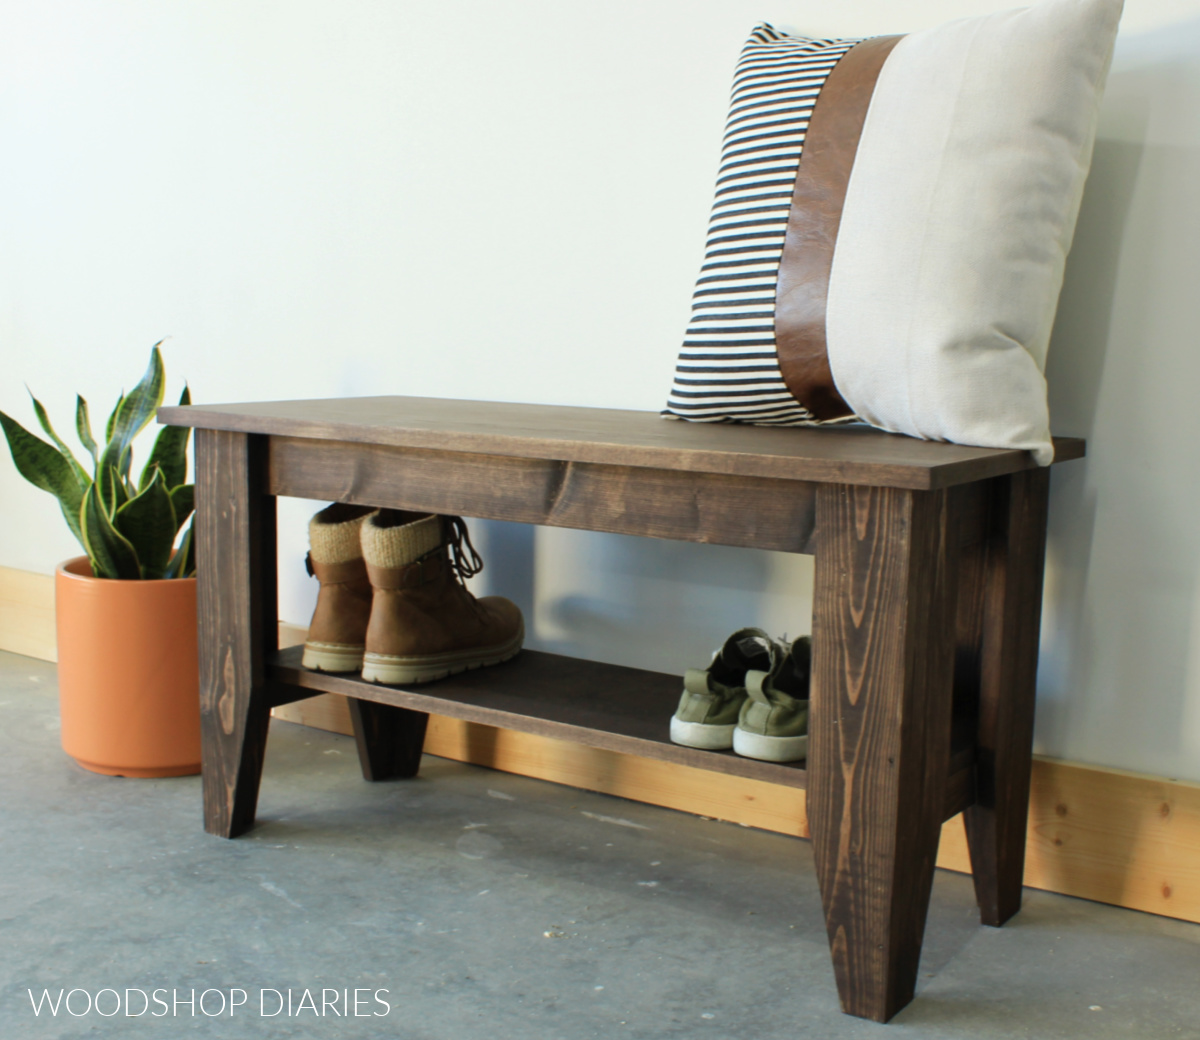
<point x="728" y="369"/>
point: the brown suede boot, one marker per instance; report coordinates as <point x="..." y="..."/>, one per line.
<point x="424" y="623"/>
<point x="339" y="625"/>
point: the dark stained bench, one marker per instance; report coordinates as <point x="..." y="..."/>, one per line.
<point x="926" y="609"/>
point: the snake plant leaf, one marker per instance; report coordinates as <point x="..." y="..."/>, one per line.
<point x="44" y="467"/>
<point x="189" y="552"/>
<point x="131" y="416"/>
<point x="123" y="472"/>
<point x="40" y="410"/>
<point x="112" y="419"/>
<point x="147" y="521"/>
<point x="183" y="563"/>
<point x="83" y="427"/>
<point x="129" y="419"/>
<point x="127" y="529"/>
<point x="170" y="451"/>
<point x="183" y="499"/>
<point x="113" y="492"/>
<point x="110" y="552"/>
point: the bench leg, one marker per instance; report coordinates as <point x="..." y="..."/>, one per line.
<point x="238" y="626"/>
<point x="1011" y="597"/>
<point x="879" y="746"/>
<point x="389" y="739"/>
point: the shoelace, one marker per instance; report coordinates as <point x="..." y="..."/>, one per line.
<point x="465" y="562"/>
<point x="463" y="558"/>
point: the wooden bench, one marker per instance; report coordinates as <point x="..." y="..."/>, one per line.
<point x="927" y="599"/>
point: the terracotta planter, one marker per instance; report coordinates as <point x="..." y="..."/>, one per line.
<point x="127" y="673"/>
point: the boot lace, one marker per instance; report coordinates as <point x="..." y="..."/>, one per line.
<point x="463" y="558"/>
<point x="465" y="562"/>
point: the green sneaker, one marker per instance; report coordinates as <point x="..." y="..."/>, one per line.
<point x="773" y="724"/>
<point x="712" y="698"/>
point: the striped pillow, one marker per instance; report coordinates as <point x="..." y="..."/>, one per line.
<point x="891" y="223"/>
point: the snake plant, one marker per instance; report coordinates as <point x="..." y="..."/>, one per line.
<point x="128" y="529"/>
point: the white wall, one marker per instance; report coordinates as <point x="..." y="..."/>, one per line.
<point x="507" y="201"/>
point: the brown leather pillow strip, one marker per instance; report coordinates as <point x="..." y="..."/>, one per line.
<point x="812" y="229"/>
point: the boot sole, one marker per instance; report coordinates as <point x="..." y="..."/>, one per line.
<point x="391" y="670"/>
<point x="332" y="657"/>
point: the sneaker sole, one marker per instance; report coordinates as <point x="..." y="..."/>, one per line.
<point x="769" y="749"/>
<point x="392" y="670"/>
<point x="332" y="657"/>
<point x="704" y="735"/>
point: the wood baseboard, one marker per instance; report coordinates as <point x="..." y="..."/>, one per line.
<point x="27" y="614"/>
<point x="1099" y="834"/>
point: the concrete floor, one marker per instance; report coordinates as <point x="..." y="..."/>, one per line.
<point x="489" y="905"/>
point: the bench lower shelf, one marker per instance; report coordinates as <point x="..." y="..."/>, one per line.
<point x="599" y="705"/>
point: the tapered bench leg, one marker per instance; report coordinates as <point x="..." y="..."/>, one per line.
<point x="389" y="739"/>
<point x="238" y="627"/>
<point x="1011" y="598"/>
<point x="883" y="652"/>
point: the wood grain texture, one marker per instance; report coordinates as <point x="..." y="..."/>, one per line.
<point x="27" y="614"/>
<point x="1116" y="837"/>
<point x="880" y="726"/>
<point x="604" y="706"/>
<point x="389" y="739"/>
<point x="599" y="705"/>
<point x="705" y="507"/>
<point x="887" y="536"/>
<point x="1009" y="631"/>
<point x="1106" y="835"/>
<point x="848" y="455"/>
<point x="236" y="593"/>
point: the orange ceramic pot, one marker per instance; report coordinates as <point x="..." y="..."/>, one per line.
<point x="127" y="673"/>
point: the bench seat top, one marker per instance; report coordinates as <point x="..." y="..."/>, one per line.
<point x="853" y="454"/>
